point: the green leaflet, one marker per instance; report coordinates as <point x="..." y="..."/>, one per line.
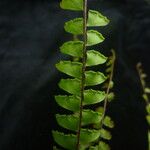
<point x="108" y="122"/>
<point x="75" y="5"/>
<point x="148" y="119"/>
<point x="71" y="121"/>
<point x="93" y="97"/>
<point x="88" y="136"/>
<point x="72" y="103"/>
<point x="91" y="116"/>
<point x="70" y="68"/>
<point x="71" y="86"/>
<point x="96" y="19"/>
<point x="147" y="90"/>
<point x="68" y="141"/>
<point x="111" y="96"/>
<point x="148" y="109"/>
<point x="72" y="48"/>
<point x="105" y="134"/>
<point x="95" y="58"/>
<point x="101" y="146"/>
<point x="94" y="37"/>
<point x="74" y="26"/>
<point x="68" y="121"/>
<point x="94" y="78"/>
<point x="74" y="69"/>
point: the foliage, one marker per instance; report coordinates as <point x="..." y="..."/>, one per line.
<point x="88" y="127"/>
<point x="146" y="96"/>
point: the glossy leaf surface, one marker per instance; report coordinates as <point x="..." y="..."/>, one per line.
<point x="74" y="26"/>
<point x="71" y="121"/>
<point x="95" y="18"/>
<point x="71" y="86"/>
<point x="72" y="48"/>
<point x="94" y="37"/>
<point x="75" y="5"/>
<point x="95" y="58"/>
<point x="70" y="68"/>
<point x="94" y="78"/>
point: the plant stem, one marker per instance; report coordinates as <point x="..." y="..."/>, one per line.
<point x="108" y="88"/>
<point x="83" y="71"/>
<point x="142" y="77"/>
<point x="143" y="83"/>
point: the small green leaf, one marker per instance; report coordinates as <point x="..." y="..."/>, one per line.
<point x="94" y="37"/>
<point x="71" y="103"/>
<point x="88" y="136"/>
<point x="145" y="97"/>
<point x="74" y="26"/>
<point x="95" y="58"/>
<point x="103" y="146"/>
<point x="72" y="86"/>
<point x="148" y="109"/>
<point x="68" y="141"/>
<point x="143" y="75"/>
<point x="108" y="122"/>
<point x="147" y="90"/>
<point x="105" y="134"/>
<point x="73" y="69"/>
<point x="71" y="121"/>
<point x="75" y="5"/>
<point x="100" y="110"/>
<point x="109" y="69"/>
<point x="95" y="18"/>
<point x="109" y="62"/>
<point x="111" y="84"/>
<point x="72" y="48"/>
<point x="93" y="97"/>
<point x="148" y="119"/>
<point x="111" y="96"/>
<point x="94" y="78"/>
<point x="90" y="117"/>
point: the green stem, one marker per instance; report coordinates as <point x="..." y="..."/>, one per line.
<point x="83" y="71"/>
<point x="143" y="83"/>
<point x="108" y="88"/>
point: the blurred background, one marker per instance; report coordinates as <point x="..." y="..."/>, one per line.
<point x="31" y="33"/>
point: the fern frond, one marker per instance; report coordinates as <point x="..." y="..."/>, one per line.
<point x="78" y="94"/>
<point x="146" y="95"/>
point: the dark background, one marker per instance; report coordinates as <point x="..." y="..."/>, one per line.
<point x="30" y="35"/>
